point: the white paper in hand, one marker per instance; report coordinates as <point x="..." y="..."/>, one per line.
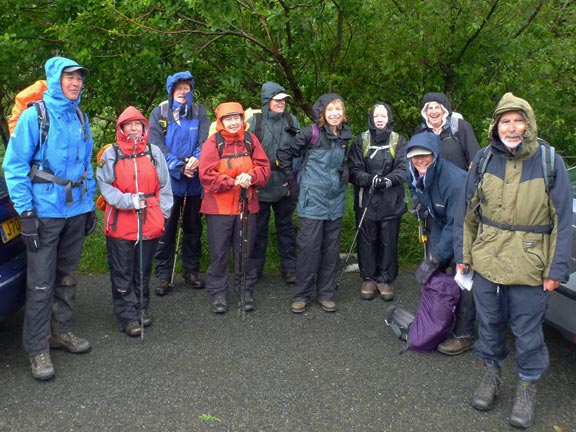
<point x="464" y="281"/>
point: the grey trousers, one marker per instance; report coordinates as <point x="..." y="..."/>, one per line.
<point x="51" y="281"/>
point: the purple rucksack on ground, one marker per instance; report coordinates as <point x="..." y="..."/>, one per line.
<point x="435" y="315"/>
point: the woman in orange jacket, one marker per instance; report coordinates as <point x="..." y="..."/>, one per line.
<point x="232" y="164"/>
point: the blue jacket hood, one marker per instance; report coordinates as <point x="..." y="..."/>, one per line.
<point x="54" y="96"/>
<point x="171" y="82"/>
<point x="427" y="140"/>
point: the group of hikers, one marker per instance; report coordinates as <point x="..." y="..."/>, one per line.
<point x="502" y="213"/>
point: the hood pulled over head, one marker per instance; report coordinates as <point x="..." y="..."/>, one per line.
<point x="425" y="140"/>
<point x="509" y="102"/>
<point x="171" y="82"/>
<point x="226" y="109"/>
<point x="126" y="143"/>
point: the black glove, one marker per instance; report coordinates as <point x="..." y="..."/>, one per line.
<point x="419" y="211"/>
<point x="425" y="270"/>
<point x="344" y="174"/>
<point x="380" y="182"/>
<point x="30" y="225"/>
<point x="91" y="220"/>
<point x="294" y="189"/>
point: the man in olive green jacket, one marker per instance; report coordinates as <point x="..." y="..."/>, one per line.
<point x="513" y="228"/>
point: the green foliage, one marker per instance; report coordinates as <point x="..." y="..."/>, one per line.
<point x="365" y="50"/>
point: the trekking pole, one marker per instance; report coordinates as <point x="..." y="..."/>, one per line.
<point x="422" y="235"/>
<point x="370" y="193"/>
<point x="140" y="246"/>
<point x="244" y="194"/>
<point x="178" y="239"/>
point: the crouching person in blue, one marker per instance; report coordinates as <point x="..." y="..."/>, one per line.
<point x="52" y="186"/>
<point x="438" y="184"/>
<point x="134" y="181"/>
<point x="321" y="195"/>
<point x="513" y="227"/>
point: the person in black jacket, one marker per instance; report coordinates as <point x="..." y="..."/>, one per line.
<point x="377" y="164"/>
<point x="458" y="144"/>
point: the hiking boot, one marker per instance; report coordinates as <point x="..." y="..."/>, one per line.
<point x="298" y="307"/>
<point x="42" y="368"/>
<point x="146" y="319"/>
<point x="368" y="290"/>
<point x="248" y="303"/>
<point x="454" y="346"/>
<point x="487" y="393"/>
<point x="70" y="342"/>
<point x="522" y="415"/>
<point x="219" y="306"/>
<point x="133" y="329"/>
<point x="289" y="277"/>
<point x="386" y="291"/>
<point x="193" y="280"/>
<point x="328" y="305"/>
<point x="164" y="288"/>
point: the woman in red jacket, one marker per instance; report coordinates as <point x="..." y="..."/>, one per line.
<point x="232" y="164"/>
<point x="133" y="177"/>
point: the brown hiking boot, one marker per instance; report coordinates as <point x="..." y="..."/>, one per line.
<point x="133" y="329"/>
<point x="193" y="280"/>
<point x="328" y="305"/>
<point x="368" y="290"/>
<point x="289" y="277"/>
<point x="454" y="346"/>
<point x="70" y="342"/>
<point x="386" y="291"/>
<point x="298" y="307"/>
<point x="164" y="288"/>
<point x="42" y="368"/>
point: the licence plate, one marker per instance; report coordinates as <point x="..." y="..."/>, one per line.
<point x="10" y="229"/>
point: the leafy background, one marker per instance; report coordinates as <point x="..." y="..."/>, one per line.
<point x="365" y="50"/>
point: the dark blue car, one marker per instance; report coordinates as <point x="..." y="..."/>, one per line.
<point x="12" y="257"/>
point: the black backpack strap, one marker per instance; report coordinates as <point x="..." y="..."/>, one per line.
<point x="220" y="146"/>
<point x="548" y="160"/>
<point x="258" y="126"/>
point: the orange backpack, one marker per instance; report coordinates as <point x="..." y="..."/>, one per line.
<point x="24" y="99"/>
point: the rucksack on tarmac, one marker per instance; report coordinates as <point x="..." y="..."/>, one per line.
<point x="399" y="320"/>
<point x="435" y="316"/>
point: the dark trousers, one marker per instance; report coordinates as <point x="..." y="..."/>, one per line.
<point x="191" y="249"/>
<point x="378" y="248"/>
<point x="285" y="234"/>
<point x="224" y="236"/>
<point x="523" y="307"/>
<point x="124" y="263"/>
<point x="317" y="263"/>
<point x="51" y="281"/>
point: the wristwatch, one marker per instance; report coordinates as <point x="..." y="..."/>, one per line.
<point x="27" y="214"/>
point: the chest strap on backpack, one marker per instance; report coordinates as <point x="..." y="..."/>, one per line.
<point x="38" y="175"/>
<point x="536" y="229"/>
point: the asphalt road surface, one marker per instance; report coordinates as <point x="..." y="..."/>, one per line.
<point x="274" y="371"/>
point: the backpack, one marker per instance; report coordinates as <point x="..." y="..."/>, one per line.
<point x="435" y="315"/>
<point x="259" y="124"/>
<point x="32" y="96"/>
<point x="119" y="155"/>
<point x="366" y="145"/>
<point x="400" y="321"/>
<point x="163" y="119"/>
